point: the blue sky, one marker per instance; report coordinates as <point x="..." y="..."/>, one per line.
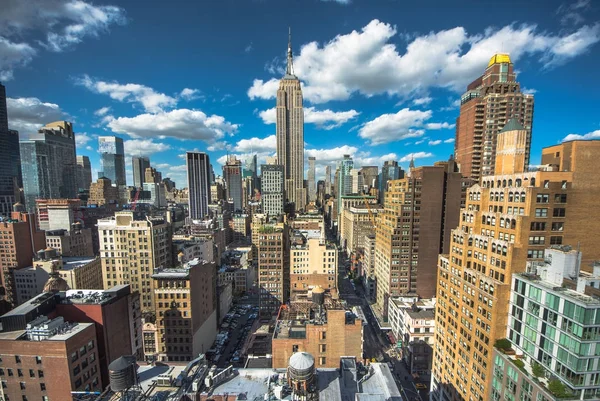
<point x="381" y="77"/>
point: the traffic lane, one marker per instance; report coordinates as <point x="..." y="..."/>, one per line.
<point x="234" y="335"/>
<point x="407" y="382"/>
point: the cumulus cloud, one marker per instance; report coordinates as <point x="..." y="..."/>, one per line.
<point x="259" y="145"/>
<point x="415" y="156"/>
<point x="190" y="94"/>
<point x="449" y="140"/>
<point x="369" y="63"/>
<point x="151" y="100"/>
<point x="81" y="139"/>
<point x="443" y="125"/>
<point x="588" y="136"/>
<point x="422" y="101"/>
<point x="330" y="155"/>
<point x="436" y="142"/>
<point x="179" y="123"/>
<point x="63" y="24"/>
<point x="326" y="119"/>
<point x="28" y="114"/>
<point x="144" y="147"/>
<point x="394" y="127"/>
<point x="102" y="111"/>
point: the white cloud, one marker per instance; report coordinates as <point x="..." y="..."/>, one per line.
<point x="102" y="111"/>
<point x="248" y="48"/>
<point x="422" y="101"/>
<point x="369" y="63"/>
<point x="259" y="145"/>
<point x="443" y="125"/>
<point x="416" y="155"/>
<point x="219" y="145"/>
<point x="89" y="148"/>
<point x="394" y="127"/>
<point x="436" y="142"/>
<point x="144" y="147"/>
<point x="326" y="119"/>
<point x="449" y="140"/>
<point x="331" y="155"/>
<point x="588" y="136"/>
<point x="63" y="23"/>
<point x="28" y="114"/>
<point x="151" y="100"/>
<point x="179" y="123"/>
<point x="81" y="139"/>
<point x="13" y="55"/>
<point x="190" y="94"/>
<point x="529" y="91"/>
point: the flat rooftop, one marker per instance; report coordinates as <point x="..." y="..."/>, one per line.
<point x="566" y="293"/>
<point x="71" y="263"/>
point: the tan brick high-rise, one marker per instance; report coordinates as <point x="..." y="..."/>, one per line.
<point x="487" y="105"/>
<point x="508" y="220"/>
<point x="414" y="227"/>
<point x="290" y="134"/>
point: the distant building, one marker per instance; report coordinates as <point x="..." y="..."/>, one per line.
<point x="390" y="171"/>
<point x="146" y="246"/>
<point x="312" y="263"/>
<point x="10" y="160"/>
<point x="327" y="180"/>
<point x="272" y="182"/>
<point x="49" y="165"/>
<point x="199" y="181"/>
<point x="312" y="189"/>
<point x="84" y="173"/>
<point x="57" y="214"/>
<point x="370" y="175"/>
<point x="19" y="241"/>
<point x="186" y="310"/>
<point x="76" y="242"/>
<point x="139" y="165"/>
<point x="102" y="192"/>
<point x="320" y="325"/>
<point x="232" y="174"/>
<point x="112" y="158"/>
<point x="344" y="184"/>
<point x="358" y="222"/>
<point x="273" y="266"/>
<point x="152" y="176"/>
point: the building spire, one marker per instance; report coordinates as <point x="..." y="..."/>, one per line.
<point x="290" y="61"/>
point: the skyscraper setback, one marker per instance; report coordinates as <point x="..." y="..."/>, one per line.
<point x="488" y="104"/>
<point x="290" y="133"/>
<point x="198" y="175"/>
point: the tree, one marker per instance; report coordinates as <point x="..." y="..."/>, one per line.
<point x="537" y="370"/>
<point x="502" y="344"/>
<point x="557" y="388"/>
<point x="519" y="364"/>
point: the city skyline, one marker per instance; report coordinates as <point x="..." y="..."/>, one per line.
<point x="350" y="113"/>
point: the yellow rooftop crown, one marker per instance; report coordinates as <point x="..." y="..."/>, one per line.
<point x="499" y="58"/>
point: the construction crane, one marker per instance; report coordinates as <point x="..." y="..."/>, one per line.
<point x="135" y="199"/>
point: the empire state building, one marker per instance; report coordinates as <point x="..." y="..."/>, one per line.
<point x="290" y="133"/>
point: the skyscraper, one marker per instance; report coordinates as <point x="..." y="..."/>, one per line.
<point x="49" y="164"/>
<point x="327" y="180"/>
<point x="485" y="108"/>
<point x="312" y="189"/>
<point x="414" y="228"/>
<point x="344" y="179"/>
<point x="390" y="171"/>
<point x="139" y="164"/>
<point x="290" y="133"/>
<point x="508" y="221"/>
<point x="10" y="163"/>
<point x="232" y="174"/>
<point x="112" y="157"/>
<point x="272" y="189"/>
<point x="198" y="176"/>
<point x="84" y="172"/>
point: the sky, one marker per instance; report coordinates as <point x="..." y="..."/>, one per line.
<point x="381" y="78"/>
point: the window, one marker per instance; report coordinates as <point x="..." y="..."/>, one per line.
<point x="20" y="372"/>
<point x="546" y="184"/>
<point x="555" y="240"/>
<point x="538" y="226"/>
<point x="535" y="253"/>
<point x="323" y="335"/>
<point x="558" y="212"/>
<point x="322" y="347"/>
<point x="557" y="226"/>
<point x="22" y="384"/>
<point x="294" y="348"/>
<point x="322" y="361"/>
<point x="31" y="373"/>
<point x="542" y="198"/>
<point x="40" y="373"/>
<point x="76" y="370"/>
<point x="535" y="240"/>
<point x="560" y="198"/>
<point x="10" y="371"/>
<point x="17" y="359"/>
<point x="38" y="360"/>
<point x="1" y="372"/>
<point x="541" y="212"/>
<point x="43" y="386"/>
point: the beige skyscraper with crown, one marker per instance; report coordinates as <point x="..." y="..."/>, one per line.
<point x="290" y="133"/>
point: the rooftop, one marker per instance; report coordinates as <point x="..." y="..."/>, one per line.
<point x="499" y="58"/>
<point x="180" y="271"/>
<point x="71" y="263"/>
<point x="97" y="297"/>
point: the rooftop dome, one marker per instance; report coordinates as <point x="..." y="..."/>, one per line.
<point x="302" y="361"/>
<point x="55" y="284"/>
<point x="499" y="58"/>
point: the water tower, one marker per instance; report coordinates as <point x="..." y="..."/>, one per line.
<point x="301" y="376"/>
